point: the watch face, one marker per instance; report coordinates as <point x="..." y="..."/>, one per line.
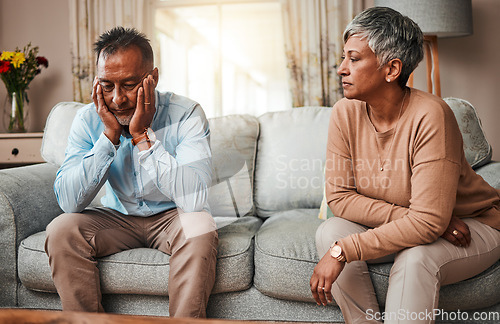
<point x="336" y="251"/>
<point x="151" y="135"/>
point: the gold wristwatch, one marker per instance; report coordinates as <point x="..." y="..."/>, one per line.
<point x="336" y="252"/>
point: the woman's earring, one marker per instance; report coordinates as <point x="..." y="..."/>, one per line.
<point x="388" y="80"/>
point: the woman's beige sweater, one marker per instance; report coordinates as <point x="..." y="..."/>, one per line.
<point x="425" y="179"/>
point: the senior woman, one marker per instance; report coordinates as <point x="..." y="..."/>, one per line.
<point x="398" y="183"/>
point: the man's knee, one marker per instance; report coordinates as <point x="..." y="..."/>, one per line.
<point x="62" y="224"/>
<point x="61" y="230"/>
<point x="197" y="224"/>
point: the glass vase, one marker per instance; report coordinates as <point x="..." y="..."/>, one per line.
<point x="18" y="112"/>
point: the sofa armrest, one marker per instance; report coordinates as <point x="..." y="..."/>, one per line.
<point x="491" y="173"/>
<point x="27" y="205"/>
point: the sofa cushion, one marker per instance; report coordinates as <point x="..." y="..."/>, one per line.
<point x="324" y="210"/>
<point x="285" y="257"/>
<point x="233" y="141"/>
<point x="285" y="254"/>
<point x="145" y="271"/>
<point x="290" y="159"/>
<point x="55" y="135"/>
<point x="477" y="149"/>
<point x="490" y="173"/>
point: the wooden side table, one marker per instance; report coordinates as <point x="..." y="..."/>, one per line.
<point x="18" y="149"/>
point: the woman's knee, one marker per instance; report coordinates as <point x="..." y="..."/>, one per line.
<point x="414" y="260"/>
<point x="331" y="227"/>
<point x="334" y="229"/>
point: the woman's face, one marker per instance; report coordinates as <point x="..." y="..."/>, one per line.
<point x="361" y="76"/>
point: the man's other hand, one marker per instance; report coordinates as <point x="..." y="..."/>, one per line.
<point x="112" y="128"/>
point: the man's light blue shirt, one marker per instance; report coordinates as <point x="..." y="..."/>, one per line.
<point x="175" y="172"/>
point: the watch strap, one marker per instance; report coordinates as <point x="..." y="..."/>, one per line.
<point x="138" y="139"/>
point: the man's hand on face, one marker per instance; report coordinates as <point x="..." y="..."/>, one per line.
<point x="145" y="107"/>
<point x="112" y="128"/>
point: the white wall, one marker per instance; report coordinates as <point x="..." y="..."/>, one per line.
<point x="469" y="65"/>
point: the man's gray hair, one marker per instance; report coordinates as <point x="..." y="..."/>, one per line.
<point x="119" y="38"/>
<point x="390" y="35"/>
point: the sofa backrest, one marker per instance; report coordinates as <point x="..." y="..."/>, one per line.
<point x="55" y="135"/>
<point x="271" y="163"/>
<point x="290" y="159"/>
<point x="477" y="150"/>
<point x="233" y="141"/>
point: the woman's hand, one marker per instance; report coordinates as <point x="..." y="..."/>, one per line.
<point x="457" y="232"/>
<point x="324" y="275"/>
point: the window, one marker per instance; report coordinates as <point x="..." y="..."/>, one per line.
<point x="227" y="55"/>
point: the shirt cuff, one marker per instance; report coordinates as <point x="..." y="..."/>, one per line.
<point x="143" y="155"/>
<point x="104" y="147"/>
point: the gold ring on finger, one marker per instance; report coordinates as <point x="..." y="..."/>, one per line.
<point x="455" y="232"/>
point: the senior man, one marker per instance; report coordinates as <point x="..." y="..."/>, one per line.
<point x="151" y="152"/>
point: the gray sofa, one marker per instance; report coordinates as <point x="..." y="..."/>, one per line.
<point x="268" y="188"/>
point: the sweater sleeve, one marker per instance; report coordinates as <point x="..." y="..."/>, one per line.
<point x="426" y="219"/>
<point x="434" y="174"/>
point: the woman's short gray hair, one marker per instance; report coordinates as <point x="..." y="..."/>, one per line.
<point x="390" y="35"/>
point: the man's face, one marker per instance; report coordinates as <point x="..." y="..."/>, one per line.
<point x="120" y="76"/>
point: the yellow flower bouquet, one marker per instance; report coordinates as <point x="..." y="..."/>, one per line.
<point x="17" y="70"/>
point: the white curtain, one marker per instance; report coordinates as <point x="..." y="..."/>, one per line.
<point x="313" y="41"/>
<point x="90" y="18"/>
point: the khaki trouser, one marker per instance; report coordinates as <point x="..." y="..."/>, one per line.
<point x="75" y="240"/>
<point x="415" y="278"/>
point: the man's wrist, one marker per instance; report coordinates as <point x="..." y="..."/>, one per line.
<point x="113" y="138"/>
<point x="144" y="145"/>
<point x="138" y="139"/>
<point x="145" y="140"/>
